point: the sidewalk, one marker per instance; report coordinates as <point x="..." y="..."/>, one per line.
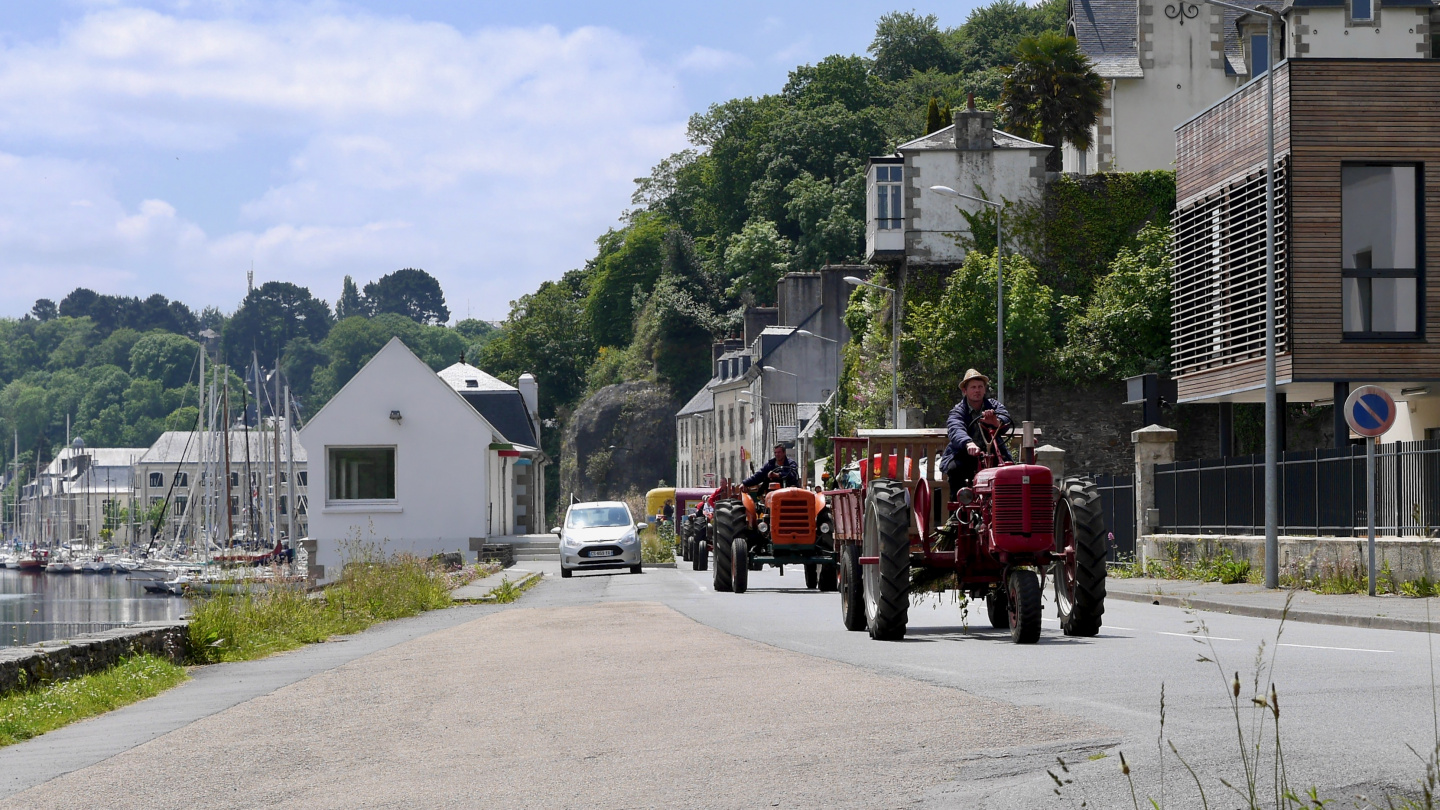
<point x="1349" y="610"/>
<point x="479" y="590"/>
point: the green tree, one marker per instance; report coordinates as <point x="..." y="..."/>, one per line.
<point x="114" y="350"/>
<point x="172" y="360"/>
<point x="299" y="363"/>
<point x="629" y="261"/>
<point x="933" y="121"/>
<point x="410" y="292"/>
<point x="755" y="259"/>
<point x="991" y="33"/>
<point x="44" y="310"/>
<point x="545" y="335"/>
<point x="905" y="42"/>
<point x="830" y="218"/>
<point x="843" y="80"/>
<point x="1124" y="329"/>
<point x="350" y="303"/>
<point x="1052" y="94"/>
<point x="270" y="317"/>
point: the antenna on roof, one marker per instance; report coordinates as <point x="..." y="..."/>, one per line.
<point x="250" y="278"/>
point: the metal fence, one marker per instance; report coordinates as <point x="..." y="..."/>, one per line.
<point x="1117" y="499"/>
<point x="1322" y="492"/>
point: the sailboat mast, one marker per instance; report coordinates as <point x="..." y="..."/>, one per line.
<point x="289" y="472"/>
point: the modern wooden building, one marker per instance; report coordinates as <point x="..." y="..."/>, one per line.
<point x="1358" y="213"/>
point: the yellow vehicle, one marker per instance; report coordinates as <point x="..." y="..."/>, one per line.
<point x="655" y="509"/>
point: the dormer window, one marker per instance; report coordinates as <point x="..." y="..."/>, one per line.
<point x="1362" y="10"/>
<point x="472" y="383"/>
<point x="887" y="197"/>
<point x="1260" y="52"/>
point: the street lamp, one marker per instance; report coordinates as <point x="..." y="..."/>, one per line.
<point x="808" y="333"/>
<point x="894" y="347"/>
<point x="999" y="283"/>
<point x="1272" y="443"/>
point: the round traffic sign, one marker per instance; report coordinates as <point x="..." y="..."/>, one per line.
<point x="1369" y="410"/>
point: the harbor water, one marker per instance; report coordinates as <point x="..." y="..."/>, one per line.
<point x="37" y="607"/>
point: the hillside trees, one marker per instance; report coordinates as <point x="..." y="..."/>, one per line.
<point x="269" y="317"/>
<point x="409" y="292"/>
<point x="1052" y="95"/>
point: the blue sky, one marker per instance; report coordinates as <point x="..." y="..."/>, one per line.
<point x="171" y="146"/>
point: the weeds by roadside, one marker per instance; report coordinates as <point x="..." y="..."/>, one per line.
<point x="659" y="544"/>
<point x="33" y="712"/>
<point x="1222" y="567"/>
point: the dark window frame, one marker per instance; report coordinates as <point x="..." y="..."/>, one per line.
<point x="1418" y="336"/>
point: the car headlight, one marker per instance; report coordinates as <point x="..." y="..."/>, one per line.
<point x="629" y="539"/>
<point x="570" y="541"/>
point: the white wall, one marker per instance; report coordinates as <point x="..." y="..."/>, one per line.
<point x="442" y="462"/>
<point x="998" y="174"/>
<point x="1391" y="35"/>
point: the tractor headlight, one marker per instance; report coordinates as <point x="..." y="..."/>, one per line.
<point x="762" y="527"/>
<point x="966" y="496"/>
<point x="825" y="528"/>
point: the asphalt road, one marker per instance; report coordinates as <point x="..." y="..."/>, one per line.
<point x="619" y="690"/>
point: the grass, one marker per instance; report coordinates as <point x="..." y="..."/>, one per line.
<point x="33" y="712"/>
<point x="1222" y="567"/>
<point x="659" y="544"/>
<point x="372" y="588"/>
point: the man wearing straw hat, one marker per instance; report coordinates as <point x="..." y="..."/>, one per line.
<point x="967" y="438"/>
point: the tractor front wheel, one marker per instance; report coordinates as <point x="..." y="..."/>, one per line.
<point x="998" y="610"/>
<point x="1024" y="588"/>
<point x="686" y="543"/>
<point x="740" y="566"/>
<point x="729" y="523"/>
<point x="699" y="556"/>
<point x="812" y="576"/>
<point x="1080" y="546"/>
<point x="829" y="577"/>
<point x="852" y="596"/>
<point x="887" y="584"/>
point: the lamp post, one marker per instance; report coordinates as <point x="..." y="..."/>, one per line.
<point x="894" y="347"/>
<point x="999" y="283"/>
<point x="1272" y="443"/>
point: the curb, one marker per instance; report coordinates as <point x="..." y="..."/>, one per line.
<point x="1253" y="611"/>
<point x="522" y="584"/>
<point x="658" y="565"/>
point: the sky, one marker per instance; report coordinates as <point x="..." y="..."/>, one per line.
<point x="172" y="146"/>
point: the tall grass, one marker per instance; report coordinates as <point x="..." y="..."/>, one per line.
<point x="372" y="588"/>
<point x="33" y="712"/>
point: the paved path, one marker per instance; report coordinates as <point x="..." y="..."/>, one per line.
<point x="619" y="690"/>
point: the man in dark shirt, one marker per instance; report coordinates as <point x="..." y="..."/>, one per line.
<point x="966" y="433"/>
<point x="780" y="468"/>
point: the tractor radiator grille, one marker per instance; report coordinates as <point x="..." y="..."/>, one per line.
<point x="791" y="523"/>
<point x="1013" y="507"/>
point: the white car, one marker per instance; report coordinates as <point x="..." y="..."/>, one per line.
<point x="601" y="534"/>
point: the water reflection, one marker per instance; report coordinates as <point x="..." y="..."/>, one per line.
<point x="37" y="607"/>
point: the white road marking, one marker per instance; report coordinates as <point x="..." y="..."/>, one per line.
<point x="1342" y="649"/>
<point x="1198" y="637"/>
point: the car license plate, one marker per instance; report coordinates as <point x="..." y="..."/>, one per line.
<point x="602" y="552"/>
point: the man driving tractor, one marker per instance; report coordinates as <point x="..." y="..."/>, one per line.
<point x="781" y="468"/>
<point x="964" y="428"/>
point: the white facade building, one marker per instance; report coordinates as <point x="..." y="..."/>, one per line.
<point x="906" y="222"/>
<point x="82" y="492"/>
<point x="402" y="457"/>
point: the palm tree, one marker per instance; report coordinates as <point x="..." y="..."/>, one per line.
<point x="1052" y="94"/>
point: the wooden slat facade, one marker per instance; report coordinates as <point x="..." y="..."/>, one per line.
<point x="1328" y="112"/>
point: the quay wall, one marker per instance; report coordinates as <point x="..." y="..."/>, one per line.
<point x="60" y="660"/>
<point x="1410" y="558"/>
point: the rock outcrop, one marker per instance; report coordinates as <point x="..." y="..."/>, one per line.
<point x="621" y="439"/>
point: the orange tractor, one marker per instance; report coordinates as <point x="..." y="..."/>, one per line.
<point x="775" y="526"/>
<point x="998" y="540"/>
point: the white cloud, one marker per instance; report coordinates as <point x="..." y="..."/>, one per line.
<point x="711" y="60"/>
<point x="491" y="158"/>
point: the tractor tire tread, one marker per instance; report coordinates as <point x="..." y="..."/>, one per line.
<point x="1090" y="551"/>
<point x="892" y="523"/>
<point x="729" y="523"/>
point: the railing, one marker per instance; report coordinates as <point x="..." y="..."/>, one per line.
<point x="1321" y="492"/>
<point x="1117" y="501"/>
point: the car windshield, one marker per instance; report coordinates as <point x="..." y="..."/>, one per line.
<point x="594" y="517"/>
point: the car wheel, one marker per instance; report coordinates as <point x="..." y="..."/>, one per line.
<point x="635" y="569"/>
<point x="564" y="572"/>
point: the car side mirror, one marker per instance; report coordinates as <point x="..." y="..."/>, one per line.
<point x="640" y="527"/>
<point x="557" y="531"/>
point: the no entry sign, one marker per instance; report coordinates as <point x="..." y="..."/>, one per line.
<point x="1369" y="410"/>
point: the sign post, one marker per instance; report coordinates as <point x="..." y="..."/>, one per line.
<point x="1370" y="412"/>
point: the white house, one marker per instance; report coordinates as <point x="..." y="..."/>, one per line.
<point x="907" y="223"/>
<point x="405" y="460"/>
<point x="81" y="492"/>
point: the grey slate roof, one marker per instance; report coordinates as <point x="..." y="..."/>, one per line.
<point x="1106" y="32"/>
<point x="702" y="402"/>
<point x="944" y="138"/>
<point x="505" y="411"/>
<point x="183" y="446"/>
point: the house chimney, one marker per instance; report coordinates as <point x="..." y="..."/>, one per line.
<point x="974" y="130"/>
<point x="530" y="392"/>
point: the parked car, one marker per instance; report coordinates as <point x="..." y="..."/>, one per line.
<point x="600" y="534"/>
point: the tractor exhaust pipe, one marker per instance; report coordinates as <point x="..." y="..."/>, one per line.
<point x="1027" y="442"/>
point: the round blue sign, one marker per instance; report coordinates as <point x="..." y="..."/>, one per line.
<point x="1369" y="410"/>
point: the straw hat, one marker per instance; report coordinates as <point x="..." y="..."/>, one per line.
<point x="972" y="374"/>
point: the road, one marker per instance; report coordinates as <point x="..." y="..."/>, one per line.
<point x="619" y="690"/>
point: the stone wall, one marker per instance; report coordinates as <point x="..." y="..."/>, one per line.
<point x="1410" y="558"/>
<point x="58" y="660"/>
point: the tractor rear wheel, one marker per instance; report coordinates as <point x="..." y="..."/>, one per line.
<point x="829" y="577"/>
<point x="729" y="523"/>
<point x="1024" y="587"/>
<point x="812" y="576"/>
<point x="887" y="585"/>
<point x="998" y="610"/>
<point x="686" y="543"/>
<point x="740" y="566"/>
<point x="699" y="556"/>
<point x="1080" y="544"/>
<point x="852" y="597"/>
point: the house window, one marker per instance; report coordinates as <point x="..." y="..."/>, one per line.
<point x="1380" y="240"/>
<point x="888" y="216"/>
<point x="182" y="479"/>
<point x="362" y="474"/>
<point x="302" y="478"/>
<point x="234" y="504"/>
<point x="281" y="502"/>
<point x="301" y="504"/>
<point x="1360" y="10"/>
<point x="234" y="479"/>
<point x="1260" y="53"/>
<point x="180" y="505"/>
<point x="157" y="479"/>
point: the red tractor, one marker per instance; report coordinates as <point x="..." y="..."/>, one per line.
<point x="998" y="540"/>
<point x="788" y="526"/>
